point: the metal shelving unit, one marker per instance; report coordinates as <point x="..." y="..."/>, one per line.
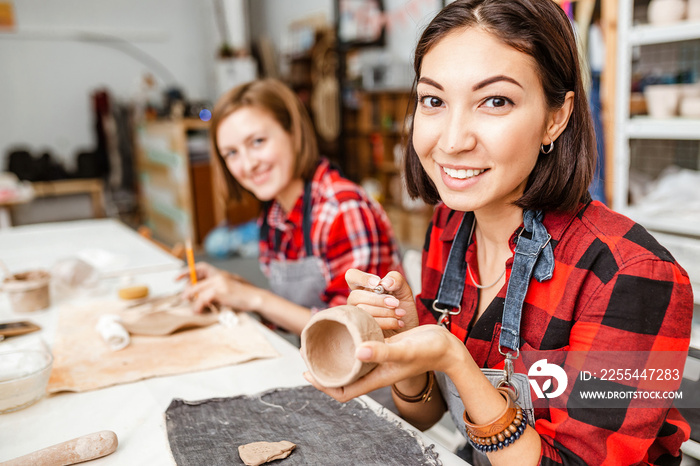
<point x="641" y="127"/>
<point x="680" y="236"/>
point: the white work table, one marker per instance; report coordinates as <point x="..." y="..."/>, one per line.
<point x="134" y="411"/>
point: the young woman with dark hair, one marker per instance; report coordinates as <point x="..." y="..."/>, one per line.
<point x="518" y="258"/>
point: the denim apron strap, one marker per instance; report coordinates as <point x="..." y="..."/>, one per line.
<point x="301" y="281"/>
<point x="533" y="257"/>
<point x="306" y="218"/>
<point x="306" y="221"/>
<point x="449" y="297"/>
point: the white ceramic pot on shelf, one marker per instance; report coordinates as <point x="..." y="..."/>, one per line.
<point x="690" y="107"/>
<point x="662" y="100"/>
<point x="666" y="11"/>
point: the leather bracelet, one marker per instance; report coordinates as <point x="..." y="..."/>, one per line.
<point x="423" y="396"/>
<point x="506" y="429"/>
<point x="497" y="425"/>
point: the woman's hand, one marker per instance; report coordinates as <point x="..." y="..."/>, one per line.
<point x="203" y="271"/>
<point x="407" y="354"/>
<point x="394" y="310"/>
<point x="220" y="287"/>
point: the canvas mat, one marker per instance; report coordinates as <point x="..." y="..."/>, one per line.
<point x="83" y="361"/>
<point x="325" y="431"/>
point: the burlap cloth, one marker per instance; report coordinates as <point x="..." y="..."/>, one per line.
<point x="83" y="361"/>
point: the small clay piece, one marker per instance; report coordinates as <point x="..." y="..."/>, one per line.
<point x="256" y="453"/>
<point x="28" y="291"/>
<point x="85" y="448"/>
<point x="163" y="316"/>
<point x="133" y="292"/>
<point x="329" y="341"/>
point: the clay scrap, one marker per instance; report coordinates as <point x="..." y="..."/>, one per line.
<point x="256" y="453"/>
<point x="164" y="316"/>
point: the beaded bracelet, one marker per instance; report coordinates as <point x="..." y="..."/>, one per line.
<point x="423" y="396"/>
<point x="500" y="433"/>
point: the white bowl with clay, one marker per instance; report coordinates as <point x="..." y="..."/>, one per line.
<point x="24" y="375"/>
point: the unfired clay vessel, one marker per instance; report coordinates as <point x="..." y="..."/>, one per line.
<point x="666" y="11"/>
<point x="329" y="341"/>
<point x="28" y="291"/>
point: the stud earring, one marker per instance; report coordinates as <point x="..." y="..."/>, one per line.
<point x="549" y="149"/>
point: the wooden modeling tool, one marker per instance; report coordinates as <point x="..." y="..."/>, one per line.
<point x="190" y="262"/>
<point x="85" y="448"/>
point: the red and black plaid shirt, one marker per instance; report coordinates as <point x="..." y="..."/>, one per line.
<point x="349" y="230"/>
<point x="614" y="289"/>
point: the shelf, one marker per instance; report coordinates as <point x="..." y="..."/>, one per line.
<point x="669" y="128"/>
<point x="691" y="448"/>
<point x="648" y="34"/>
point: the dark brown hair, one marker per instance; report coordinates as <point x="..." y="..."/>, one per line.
<point x="540" y="29"/>
<point x="285" y="107"/>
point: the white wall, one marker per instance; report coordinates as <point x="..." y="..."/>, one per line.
<point x="46" y="77"/>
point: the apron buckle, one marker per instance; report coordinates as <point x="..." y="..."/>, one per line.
<point x="445" y="313"/>
<point x="508" y="371"/>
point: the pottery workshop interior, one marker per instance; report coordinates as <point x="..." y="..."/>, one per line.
<point x="350" y="232"/>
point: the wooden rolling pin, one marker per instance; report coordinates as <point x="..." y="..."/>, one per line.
<point x="85" y="448"/>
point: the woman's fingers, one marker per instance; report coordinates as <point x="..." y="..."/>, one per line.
<point x="396" y="284"/>
<point x="359" y="280"/>
<point x="370" y="298"/>
<point x="203" y="299"/>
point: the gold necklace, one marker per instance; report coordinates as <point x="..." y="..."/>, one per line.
<point x="481" y="287"/>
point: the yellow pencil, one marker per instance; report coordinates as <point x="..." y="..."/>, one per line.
<point x="190" y="261"/>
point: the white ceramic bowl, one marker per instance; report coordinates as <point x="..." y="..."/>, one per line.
<point x="666" y="11"/>
<point x="24" y="375"/>
<point x="662" y="100"/>
<point x="690" y="107"/>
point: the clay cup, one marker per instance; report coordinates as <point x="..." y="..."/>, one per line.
<point x="329" y="341"/>
<point x="28" y="291"/>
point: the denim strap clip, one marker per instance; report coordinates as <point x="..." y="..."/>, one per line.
<point x="533" y="257"/>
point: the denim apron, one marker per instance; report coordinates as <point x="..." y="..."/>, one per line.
<point x="300" y="281"/>
<point x="533" y="257"/>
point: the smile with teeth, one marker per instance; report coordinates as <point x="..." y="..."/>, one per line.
<point x="462" y="174"/>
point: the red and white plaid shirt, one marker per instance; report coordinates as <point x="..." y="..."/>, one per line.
<point x="348" y="230"/>
<point x="614" y="289"/>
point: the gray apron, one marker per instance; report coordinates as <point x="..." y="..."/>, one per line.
<point x="300" y="281"/>
<point x="533" y="257"/>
